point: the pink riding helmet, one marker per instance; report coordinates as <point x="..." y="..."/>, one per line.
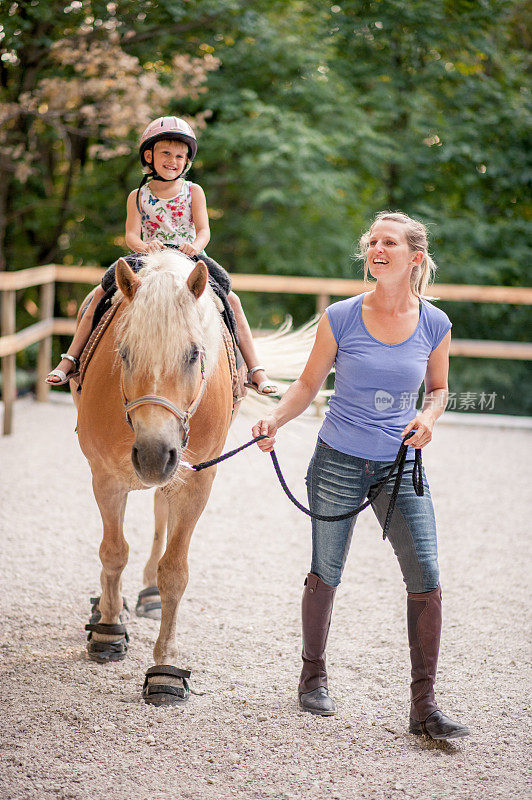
<point x="168" y="128"/>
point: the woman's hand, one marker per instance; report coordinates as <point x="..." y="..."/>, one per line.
<point x="267" y="427"/>
<point x="423" y="425"/>
<point x="153" y="247"/>
<point x="188" y="249"/>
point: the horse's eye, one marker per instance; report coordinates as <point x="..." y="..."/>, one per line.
<point x="122" y="352"/>
<point x="193" y="355"/>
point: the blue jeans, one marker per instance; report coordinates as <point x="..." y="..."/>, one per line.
<point x="337" y="482"/>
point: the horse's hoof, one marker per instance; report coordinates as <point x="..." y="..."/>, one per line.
<point x="164" y="694"/>
<point x="149" y="608"/>
<point x="106" y="651"/>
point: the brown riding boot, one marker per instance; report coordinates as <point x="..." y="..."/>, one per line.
<point x="316" y="610"/>
<point x="424" y="630"/>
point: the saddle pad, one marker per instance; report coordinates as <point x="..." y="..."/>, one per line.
<point x="238" y="373"/>
<point x="94" y="339"/>
<point x="219" y="281"/>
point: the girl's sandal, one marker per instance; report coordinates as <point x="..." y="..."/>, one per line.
<point x="64" y="377"/>
<point x="259" y="388"/>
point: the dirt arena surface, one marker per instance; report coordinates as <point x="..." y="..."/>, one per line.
<point x="73" y="729"/>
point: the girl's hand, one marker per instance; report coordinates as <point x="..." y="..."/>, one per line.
<point x="266" y="427"/>
<point x="423" y="425"/>
<point x="153" y="247"/>
<point x="187" y="249"/>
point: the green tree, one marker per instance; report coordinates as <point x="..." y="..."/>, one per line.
<point x="445" y="90"/>
<point x="310" y="117"/>
<point x="77" y="85"/>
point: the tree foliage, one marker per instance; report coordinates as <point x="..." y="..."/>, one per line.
<point x="75" y="95"/>
<point x="311" y="117"/>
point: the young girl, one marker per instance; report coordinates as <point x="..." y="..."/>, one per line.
<point x="168" y="211"/>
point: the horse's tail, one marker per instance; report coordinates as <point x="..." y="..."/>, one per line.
<point x="284" y="353"/>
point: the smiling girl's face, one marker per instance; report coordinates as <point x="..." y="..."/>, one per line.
<point x="170" y="158"/>
<point x="388" y="251"/>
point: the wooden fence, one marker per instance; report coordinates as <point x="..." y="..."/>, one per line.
<point x="13" y="341"/>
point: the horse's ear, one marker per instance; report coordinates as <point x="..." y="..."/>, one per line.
<point x="126" y="280"/>
<point x="197" y="280"/>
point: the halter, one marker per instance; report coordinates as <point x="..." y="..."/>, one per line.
<point x="154" y="400"/>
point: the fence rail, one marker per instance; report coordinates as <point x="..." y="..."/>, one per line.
<point x="46" y="276"/>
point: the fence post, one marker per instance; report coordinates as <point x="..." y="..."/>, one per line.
<point x="9" y="386"/>
<point x="322" y="301"/>
<point x="44" y="357"/>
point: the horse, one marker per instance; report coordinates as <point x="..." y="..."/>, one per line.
<point x="156" y="393"/>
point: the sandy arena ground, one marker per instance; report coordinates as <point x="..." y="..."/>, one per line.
<point x="73" y="729"/>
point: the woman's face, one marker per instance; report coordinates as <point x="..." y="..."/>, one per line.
<point x="388" y="251"/>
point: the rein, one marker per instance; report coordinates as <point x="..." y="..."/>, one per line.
<point x="155" y="400"/>
<point x="399" y="464"/>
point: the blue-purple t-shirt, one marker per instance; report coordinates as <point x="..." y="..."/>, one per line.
<point x="376" y="384"/>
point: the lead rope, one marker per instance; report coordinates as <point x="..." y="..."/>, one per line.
<point x="399" y="464"/>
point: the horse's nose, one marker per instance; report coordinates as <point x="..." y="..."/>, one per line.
<point x="154" y="461"/>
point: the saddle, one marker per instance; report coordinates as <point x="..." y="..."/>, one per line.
<point x="94" y="340"/>
<point x="219" y="281"/>
<point x="237" y="366"/>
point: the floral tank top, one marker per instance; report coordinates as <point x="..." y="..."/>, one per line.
<point x="167" y="220"/>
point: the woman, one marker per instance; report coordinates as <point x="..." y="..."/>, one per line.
<point x="383" y="344"/>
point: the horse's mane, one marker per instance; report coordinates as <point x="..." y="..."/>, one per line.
<point x="158" y="327"/>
